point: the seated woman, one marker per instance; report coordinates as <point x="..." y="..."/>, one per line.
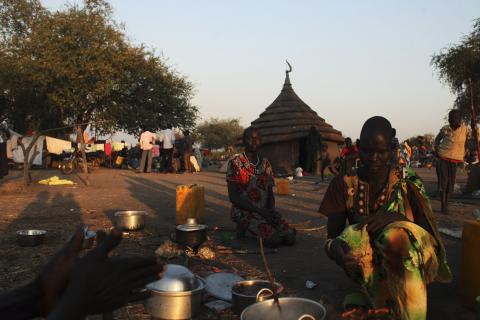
<point x="391" y="247"/>
<point x="250" y="183"/>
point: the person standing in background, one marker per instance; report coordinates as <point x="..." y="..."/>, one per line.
<point x="187" y="151"/>
<point x="168" y="137"/>
<point x="449" y="147"/>
<point x="147" y="140"/>
<point x="4" y="136"/>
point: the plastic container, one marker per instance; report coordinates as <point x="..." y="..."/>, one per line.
<point x="190" y="203"/>
<point x="282" y="187"/>
<point x="119" y="161"/>
<point x="470" y="277"/>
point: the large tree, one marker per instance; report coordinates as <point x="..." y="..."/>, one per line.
<point x="219" y="133"/>
<point x="83" y="71"/>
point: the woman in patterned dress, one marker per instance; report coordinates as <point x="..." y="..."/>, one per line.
<point x="250" y="183"/>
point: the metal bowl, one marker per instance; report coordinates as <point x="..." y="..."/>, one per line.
<point x="176" y="279"/>
<point x="245" y="293"/>
<point x="30" y="238"/>
<point x="130" y="220"/>
<point x="290" y="309"/>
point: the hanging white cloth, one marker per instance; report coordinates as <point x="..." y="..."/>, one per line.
<point x="18" y="153"/>
<point x="56" y="146"/>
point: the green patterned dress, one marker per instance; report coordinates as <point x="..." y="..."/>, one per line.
<point x="395" y="268"/>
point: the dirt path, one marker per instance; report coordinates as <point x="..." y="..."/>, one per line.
<point x="58" y="209"/>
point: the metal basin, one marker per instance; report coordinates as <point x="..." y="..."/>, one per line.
<point x="245" y="293"/>
<point x="130" y="220"/>
<point x="30" y="238"/>
<point x="290" y="309"/>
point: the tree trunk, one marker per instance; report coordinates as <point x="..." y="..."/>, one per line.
<point x="84" y="155"/>
<point x="474" y="117"/>
<point x="27" y="162"/>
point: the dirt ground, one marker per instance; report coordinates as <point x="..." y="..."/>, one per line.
<point x="58" y="209"/>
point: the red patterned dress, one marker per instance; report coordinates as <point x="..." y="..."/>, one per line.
<point x="254" y="182"/>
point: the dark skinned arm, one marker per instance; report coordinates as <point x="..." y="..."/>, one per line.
<point x="436" y="143"/>
<point x="20" y="303"/>
<point x="333" y="206"/>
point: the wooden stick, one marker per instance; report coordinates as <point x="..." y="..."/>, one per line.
<point x="269" y="274"/>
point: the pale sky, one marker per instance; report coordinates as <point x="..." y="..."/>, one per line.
<point x="351" y="59"/>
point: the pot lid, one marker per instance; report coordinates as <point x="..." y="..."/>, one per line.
<point x="191" y="225"/>
<point x="177" y="278"/>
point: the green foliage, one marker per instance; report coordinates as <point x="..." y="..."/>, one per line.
<point x="75" y="66"/>
<point x="219" y="133"/>
<point x="460" y="64"/>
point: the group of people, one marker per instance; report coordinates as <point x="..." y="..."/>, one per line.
<point x="166" y="145"/>
<point x="380" y="229"/>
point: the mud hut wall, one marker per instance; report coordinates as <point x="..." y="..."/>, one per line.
<point x="282" y="155"/>
<point x="332" y="150"/>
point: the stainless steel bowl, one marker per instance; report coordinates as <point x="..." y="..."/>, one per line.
<point x="245" y="293"/>
<point x="177" y="278"/>
<point x="130" y="220"/>
<point x="30" y="238"/>
<point x="290" y="309"/>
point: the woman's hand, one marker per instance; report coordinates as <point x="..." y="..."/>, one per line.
<point x="338" y="251"/>
<point x="377" y="222"/>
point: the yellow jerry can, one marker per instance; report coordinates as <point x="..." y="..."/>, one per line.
<point x="119" y="161"/>
<point x="470" y="275"/>
<point x="282" y="186"/>
<point x="190" y="203"/>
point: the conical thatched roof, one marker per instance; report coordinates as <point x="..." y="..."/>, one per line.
<point x="289" y="118"/>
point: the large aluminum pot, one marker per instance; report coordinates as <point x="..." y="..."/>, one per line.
<point x="130" y="220"/>
<point x="290" y="309"/>
<point x="175" y="305"/>
<point x="245" y="293"/>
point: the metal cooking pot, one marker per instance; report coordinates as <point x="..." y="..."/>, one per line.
<point x="290" y="309"/>
<point x="175" y="305"/>
<point x="130" y="220"/>
<point x="191" y="234"/>
<point x="177" y="278"/>
<point x="257" y="291"/>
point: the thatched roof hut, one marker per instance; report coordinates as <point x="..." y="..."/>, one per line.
<point x="284" y="127"/>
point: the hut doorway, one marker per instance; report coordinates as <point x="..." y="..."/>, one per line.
<point x="302" y="154"/>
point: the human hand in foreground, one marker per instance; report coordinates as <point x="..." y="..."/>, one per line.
<point x="52" y="281"/>
<point x="338" y="251"/>
<point x="376" y="223"/>
<point x="100" y="284"/>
